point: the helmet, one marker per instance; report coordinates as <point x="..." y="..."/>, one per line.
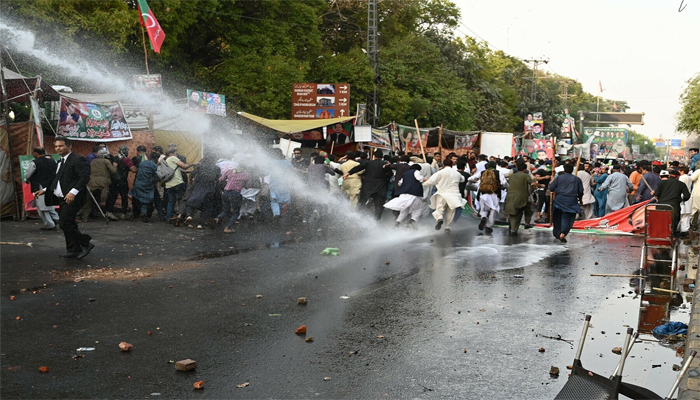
<point x="102" y="152"/>
<point x="124" y="149"/>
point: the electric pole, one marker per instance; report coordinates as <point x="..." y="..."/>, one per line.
<point x="565" y="92"/>
<point x="535" y="64"/>
<point x="373" y="53"/>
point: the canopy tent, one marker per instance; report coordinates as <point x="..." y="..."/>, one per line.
<point x="20" y="87"/>
<point x="294" y="126"/>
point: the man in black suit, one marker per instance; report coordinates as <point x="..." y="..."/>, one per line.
<point x="376" y="182"/>
<point x="68" y="189"/>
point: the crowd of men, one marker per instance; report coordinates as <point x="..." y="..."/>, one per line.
<point x="226" y="192"/>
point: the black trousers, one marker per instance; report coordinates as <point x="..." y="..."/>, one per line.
<point x="117" y="189"/>
<point x="75" y="240"/>
<point x="375" y="201"/>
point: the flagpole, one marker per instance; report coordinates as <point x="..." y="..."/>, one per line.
<point x="145" y="51"/>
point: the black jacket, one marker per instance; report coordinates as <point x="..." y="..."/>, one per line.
<point x="74" y="174"/>
<point x="44" y="173"/>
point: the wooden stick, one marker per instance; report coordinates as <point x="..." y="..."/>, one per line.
<point x="32" y="125"/>
<point x="440" y="141"/>
<point x="665" y="290"/>
<point x="145" y="51"/>
<point x="332" y="145"/>
<point x="578" y="163"/>
<point x="420" y="140"/>
<point x="620" y="275"/>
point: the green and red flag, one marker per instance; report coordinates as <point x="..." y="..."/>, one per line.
<point x="148" y="21"/>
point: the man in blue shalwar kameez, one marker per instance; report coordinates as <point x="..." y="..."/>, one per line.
<point x="568" y="192"/>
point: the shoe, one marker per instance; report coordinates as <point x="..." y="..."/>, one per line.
<point x="177" y="222"/>
<point x="144" y="219"/>
<point x="188" y="220"/>
<point x="482" y="224"/>
<point x="86" y="251"/>
<point x="528" y="226"/>
<point x="438" y="225"/>
<point x="228" y="230"/>
<point x="122" y="217"/>
<point x="200" y="227"/>
<point x="70" y="255"/>
<point x="488" y="230"/>
<point x="49" y="229"/>
<point x="562" y="239"/>
<point x="513" y="233"/>
<point x="447" y="230"/>
<point x="396" y="224"/>
<point x="111" y="216"/>
<point x="411" y="224"/>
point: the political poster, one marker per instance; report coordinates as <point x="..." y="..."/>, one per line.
<point x="380" y="138"/>
<point x="542" y="149"/>
<point x="534" y="124"/>
<point x="409" y="139"/>
<point x="147" y="83"/>
<point x="465" y="142"/>
<point x="625" y="220"/>
<point x="606" y="142"/>
<point x="205" y="102"/>
<point x="80" y="120"/>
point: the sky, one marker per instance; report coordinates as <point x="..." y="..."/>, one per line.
<point x="641" y="51"/>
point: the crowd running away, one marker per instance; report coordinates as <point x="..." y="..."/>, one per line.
<point x="220" y="193"/>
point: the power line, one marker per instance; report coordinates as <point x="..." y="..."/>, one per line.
<point x="477" y="35"/>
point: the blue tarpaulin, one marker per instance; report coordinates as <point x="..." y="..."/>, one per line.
<point x="671" y="328"/>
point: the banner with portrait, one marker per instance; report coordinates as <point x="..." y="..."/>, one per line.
<point x="534" y="124"/>
<point x="380" y="138"/>
<point x="205" y="102"/>
<point x="606" y="142"/>
<point x="409" y="138"/>
<point x="466" y="142"/>
<point x="148" y="83"/>
<point x="543" y="149"/>
<point x="79" y="120"/>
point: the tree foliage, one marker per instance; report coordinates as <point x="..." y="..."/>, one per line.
<point x="689" y="116"/>
<point x="253" y="51"/>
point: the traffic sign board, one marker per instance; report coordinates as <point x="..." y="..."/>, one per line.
<point x="320" y="100"/>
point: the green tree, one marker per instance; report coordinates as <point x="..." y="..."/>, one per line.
<point x="689" y="116"/>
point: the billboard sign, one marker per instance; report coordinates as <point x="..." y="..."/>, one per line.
<point x="320" y="100"/>
<point x="606" y="142"/>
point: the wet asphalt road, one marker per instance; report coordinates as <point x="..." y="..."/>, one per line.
<point x="427" y="314"/>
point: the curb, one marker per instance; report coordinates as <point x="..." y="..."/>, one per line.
<point x="689" y="388"/>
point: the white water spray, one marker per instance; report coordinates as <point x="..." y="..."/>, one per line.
<point x="23" y="41"/>
<point x="218" y="131"/>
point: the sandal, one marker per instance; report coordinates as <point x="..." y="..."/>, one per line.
<point x="228" y="230"/>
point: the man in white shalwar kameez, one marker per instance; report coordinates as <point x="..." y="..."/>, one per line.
<point x="409" y="201"/>
<point x="489" y="203"/>
<point x="588" y="199"/>
<point x="695" y="200"/>
<point x="686" y="206"/>
<point x="447" y="199"/>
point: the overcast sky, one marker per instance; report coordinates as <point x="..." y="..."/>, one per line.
<point x="642" y="51"/>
